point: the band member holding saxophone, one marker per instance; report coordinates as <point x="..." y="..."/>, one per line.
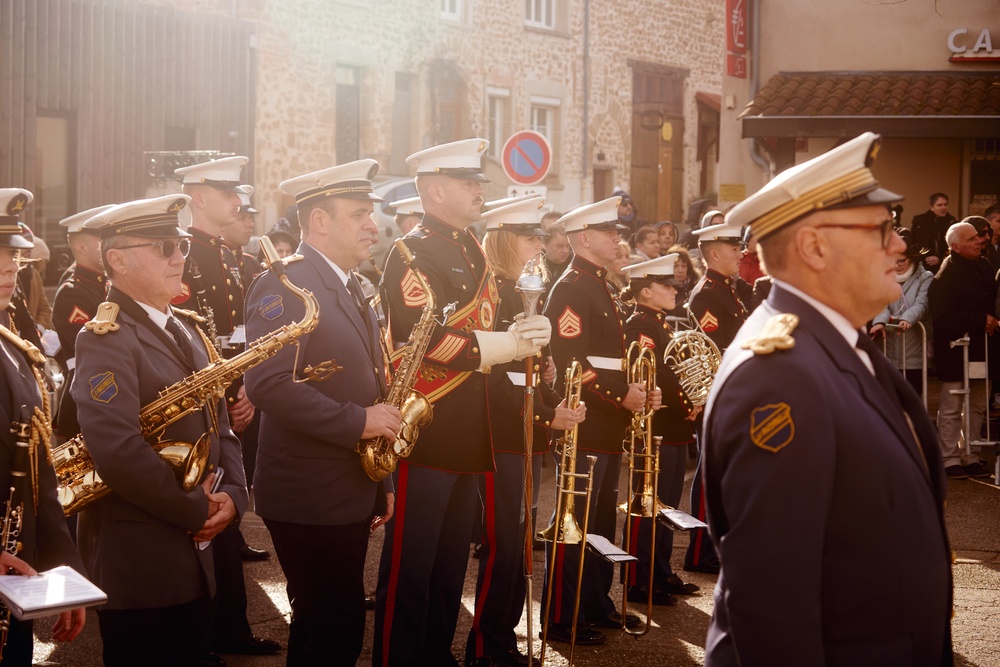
<point x="513" y="238"/>
<point x="589" y="328"/>
<point x="652" y="286"/>
<point x="426" y="547"/>
<point x="147" y="544"/>
<point x="309" y="485"/>
<point x="44" y="537"/>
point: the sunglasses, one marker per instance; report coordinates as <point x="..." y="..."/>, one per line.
<point x="168" y="246"/>
<point x="885" y="229"/>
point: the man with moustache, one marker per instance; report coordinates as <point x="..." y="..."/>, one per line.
<point x="310" y="487"/>
<point x="820" y="459"/>
<point x="589" y="324"/>
<point x="142" y="543"/>
<point x="426" y="548"/>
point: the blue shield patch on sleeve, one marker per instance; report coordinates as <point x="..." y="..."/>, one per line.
<point x="271" y="307"/>
<point x="103" y="387"/>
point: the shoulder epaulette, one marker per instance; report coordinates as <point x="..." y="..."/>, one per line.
<point x="291" y="258"/>
<point x="190" y="314"/>
<point x="776" y="335"/>
<point x="104" y="320"/>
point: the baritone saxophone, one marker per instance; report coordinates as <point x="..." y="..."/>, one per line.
<point x="79" y="482"/>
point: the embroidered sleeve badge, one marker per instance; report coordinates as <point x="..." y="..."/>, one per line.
<point x="271" y="307"/>
<point x="588" y="376"/>
<point x="570" y="325"/>
<point x="103" y="387"/>
<point x="183" y="296"/>
<point x="78" y="316"/>
<point x="413" y="293"/>
<point x="447" y="349"/>
<point x="772" y="427"/>
<point x="645" y="341"/>
<point x="708" y="322"/>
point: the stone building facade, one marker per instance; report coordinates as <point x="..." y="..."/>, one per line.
<point x="342" y="79"/>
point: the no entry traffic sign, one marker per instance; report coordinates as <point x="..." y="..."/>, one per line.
<point x="526" y="157"/>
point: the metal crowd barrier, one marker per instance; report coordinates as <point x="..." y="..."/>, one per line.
<point x="976" y="370"/>
<point x="894" y="328"/>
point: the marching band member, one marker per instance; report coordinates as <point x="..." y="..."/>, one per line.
<point x="513" y="237"/>
<point x="310" y="487"/>
<point x="141" y="542"/>
<point x="589" y="327"/>
<point x="425" y="553"/>
<point x="44" y="538"/>
<point x="653" y="287"/>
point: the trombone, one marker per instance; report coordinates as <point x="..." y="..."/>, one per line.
<point x="564" y="528"/>
<point x="643" y="498"/>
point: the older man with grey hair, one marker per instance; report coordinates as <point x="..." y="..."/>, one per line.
<point x="962" y="302"/>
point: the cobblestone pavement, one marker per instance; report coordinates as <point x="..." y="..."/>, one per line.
<point x="678" y="634"/>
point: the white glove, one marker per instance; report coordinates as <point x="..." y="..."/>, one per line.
<point x="496" y="347"/>
<point x="536" y="328"/>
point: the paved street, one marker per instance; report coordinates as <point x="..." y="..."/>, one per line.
<point x="678" y="635"/>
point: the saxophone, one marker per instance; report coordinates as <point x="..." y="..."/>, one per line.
<point x="379" y="455"/>
<point x="79" y="482"/>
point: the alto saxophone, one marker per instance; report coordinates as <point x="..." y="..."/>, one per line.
<point x="379" y="455"/>
<point x="79" y="482"/>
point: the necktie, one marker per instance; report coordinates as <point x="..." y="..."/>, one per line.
<point x="181" y="338"/>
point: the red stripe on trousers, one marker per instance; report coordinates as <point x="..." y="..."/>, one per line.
<point x="399" y="515"/>
<point x="491" y="540"/>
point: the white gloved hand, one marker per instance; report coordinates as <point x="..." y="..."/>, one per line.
<point x="535" y="328"/>
<point x="496" y="347"/>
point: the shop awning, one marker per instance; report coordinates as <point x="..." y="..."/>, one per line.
<point x="894" y="104"/>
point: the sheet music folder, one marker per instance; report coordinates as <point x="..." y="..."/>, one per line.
<point x="48" y="593"/>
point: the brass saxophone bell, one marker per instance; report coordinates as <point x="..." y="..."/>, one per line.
<point x="187" y="460"/>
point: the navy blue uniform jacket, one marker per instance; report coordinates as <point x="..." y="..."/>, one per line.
<point x="308" y="471"/>
<point x="827" y="511"/>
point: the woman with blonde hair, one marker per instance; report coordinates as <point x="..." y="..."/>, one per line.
<point x="513" y="237"/>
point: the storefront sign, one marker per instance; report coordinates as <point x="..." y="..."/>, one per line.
<point x="972" y="47"/>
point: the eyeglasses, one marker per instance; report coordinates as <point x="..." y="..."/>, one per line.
<point x="167" y="246"/>
<point x="885" y="228"/>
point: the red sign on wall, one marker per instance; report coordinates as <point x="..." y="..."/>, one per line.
<point x="736" y="26"/>
<point x="736" y="65"/>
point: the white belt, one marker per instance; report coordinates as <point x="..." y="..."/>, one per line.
<point x="71" y="363"/>
<point x="606" y="363"/>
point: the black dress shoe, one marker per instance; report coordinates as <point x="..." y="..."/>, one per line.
<point x="710" y="567"/>
<point x="515" y="657"/>
<point x="247" y="552"/>
<point x="249" y="644"/>
<point x="614" y="621"/>
<point x="563" y="633"/>
<point x="640" y="595"/>
<point x="675" y="586"/>
<point x="477" y="551"/>
<point x="211" y="659"/>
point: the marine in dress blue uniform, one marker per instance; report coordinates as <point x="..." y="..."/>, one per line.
<point x="425" y="553"/>
<point x="140" y="543"/>
<point x="310" y="487"/>
<point x="821" y="465"/>
<point x="589" y="326"/>
<point x="44" y="538"/>
<point x="719" y="313"/>
<point x="213" y="287"/>
<point x="673" y="423"/>
<point x="75" y="304"/>
<point x="500" y="587"/>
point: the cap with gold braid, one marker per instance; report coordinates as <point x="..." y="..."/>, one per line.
<point x="520" y="217"/>
<point x="840" y="178"/>
<point x="349" y="181"/>
<point x="154" y="218"/>
<point x="458" y="159"/>
<point x="13" y="201"/>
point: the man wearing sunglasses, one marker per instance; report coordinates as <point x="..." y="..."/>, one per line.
<point x="214" y="287"/>
<point x="822" y="468"/>
<point x="141" y="543"/>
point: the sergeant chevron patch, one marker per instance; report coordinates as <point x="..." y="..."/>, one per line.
<point x="570" y="325"/>
<point x="78" y="316"/>
<point x="772" y="427"/>
<point x="708" y="322"/>
<point x="645" y="341"/>
<point x="413" y="293"/>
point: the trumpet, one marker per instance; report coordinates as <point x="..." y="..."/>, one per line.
<point x="643" y="497"/>
<point x="564" y="528"/>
